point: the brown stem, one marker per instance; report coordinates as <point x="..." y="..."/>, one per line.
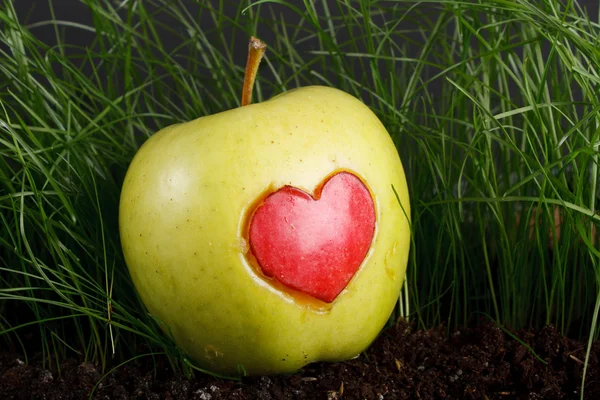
<point x="256" y="50"/>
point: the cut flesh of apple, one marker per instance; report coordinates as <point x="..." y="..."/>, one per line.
<point x="316" y="244"/>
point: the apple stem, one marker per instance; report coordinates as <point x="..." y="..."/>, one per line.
<point x="256" y="50"/>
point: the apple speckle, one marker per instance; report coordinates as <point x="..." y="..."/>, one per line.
<point x="243" y="246"/>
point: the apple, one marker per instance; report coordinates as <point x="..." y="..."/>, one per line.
<point x="268" y="237"/>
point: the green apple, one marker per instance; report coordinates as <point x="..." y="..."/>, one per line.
<point x="189" y="196"/>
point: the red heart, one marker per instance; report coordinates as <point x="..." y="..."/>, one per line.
<point x="314" y="245"/>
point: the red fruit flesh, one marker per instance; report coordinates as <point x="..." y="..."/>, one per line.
<point x="314" y="245"/>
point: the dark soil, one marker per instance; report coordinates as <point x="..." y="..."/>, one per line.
<point x="481" y="362"/>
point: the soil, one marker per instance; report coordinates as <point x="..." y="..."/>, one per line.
<point x="479" y="362"/>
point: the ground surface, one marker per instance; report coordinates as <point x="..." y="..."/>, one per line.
<point x="481" y="362"/>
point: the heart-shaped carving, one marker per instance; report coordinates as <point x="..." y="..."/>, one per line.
<point x="316" y="244"/>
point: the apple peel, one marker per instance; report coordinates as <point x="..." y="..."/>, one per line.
<point x="314" y="244"/>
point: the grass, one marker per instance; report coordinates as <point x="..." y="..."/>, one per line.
<point x="493" y="106"/>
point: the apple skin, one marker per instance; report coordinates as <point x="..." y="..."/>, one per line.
<point x="183" y="214"/>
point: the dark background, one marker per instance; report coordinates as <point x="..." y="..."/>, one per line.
<point x="32" y="12"/>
